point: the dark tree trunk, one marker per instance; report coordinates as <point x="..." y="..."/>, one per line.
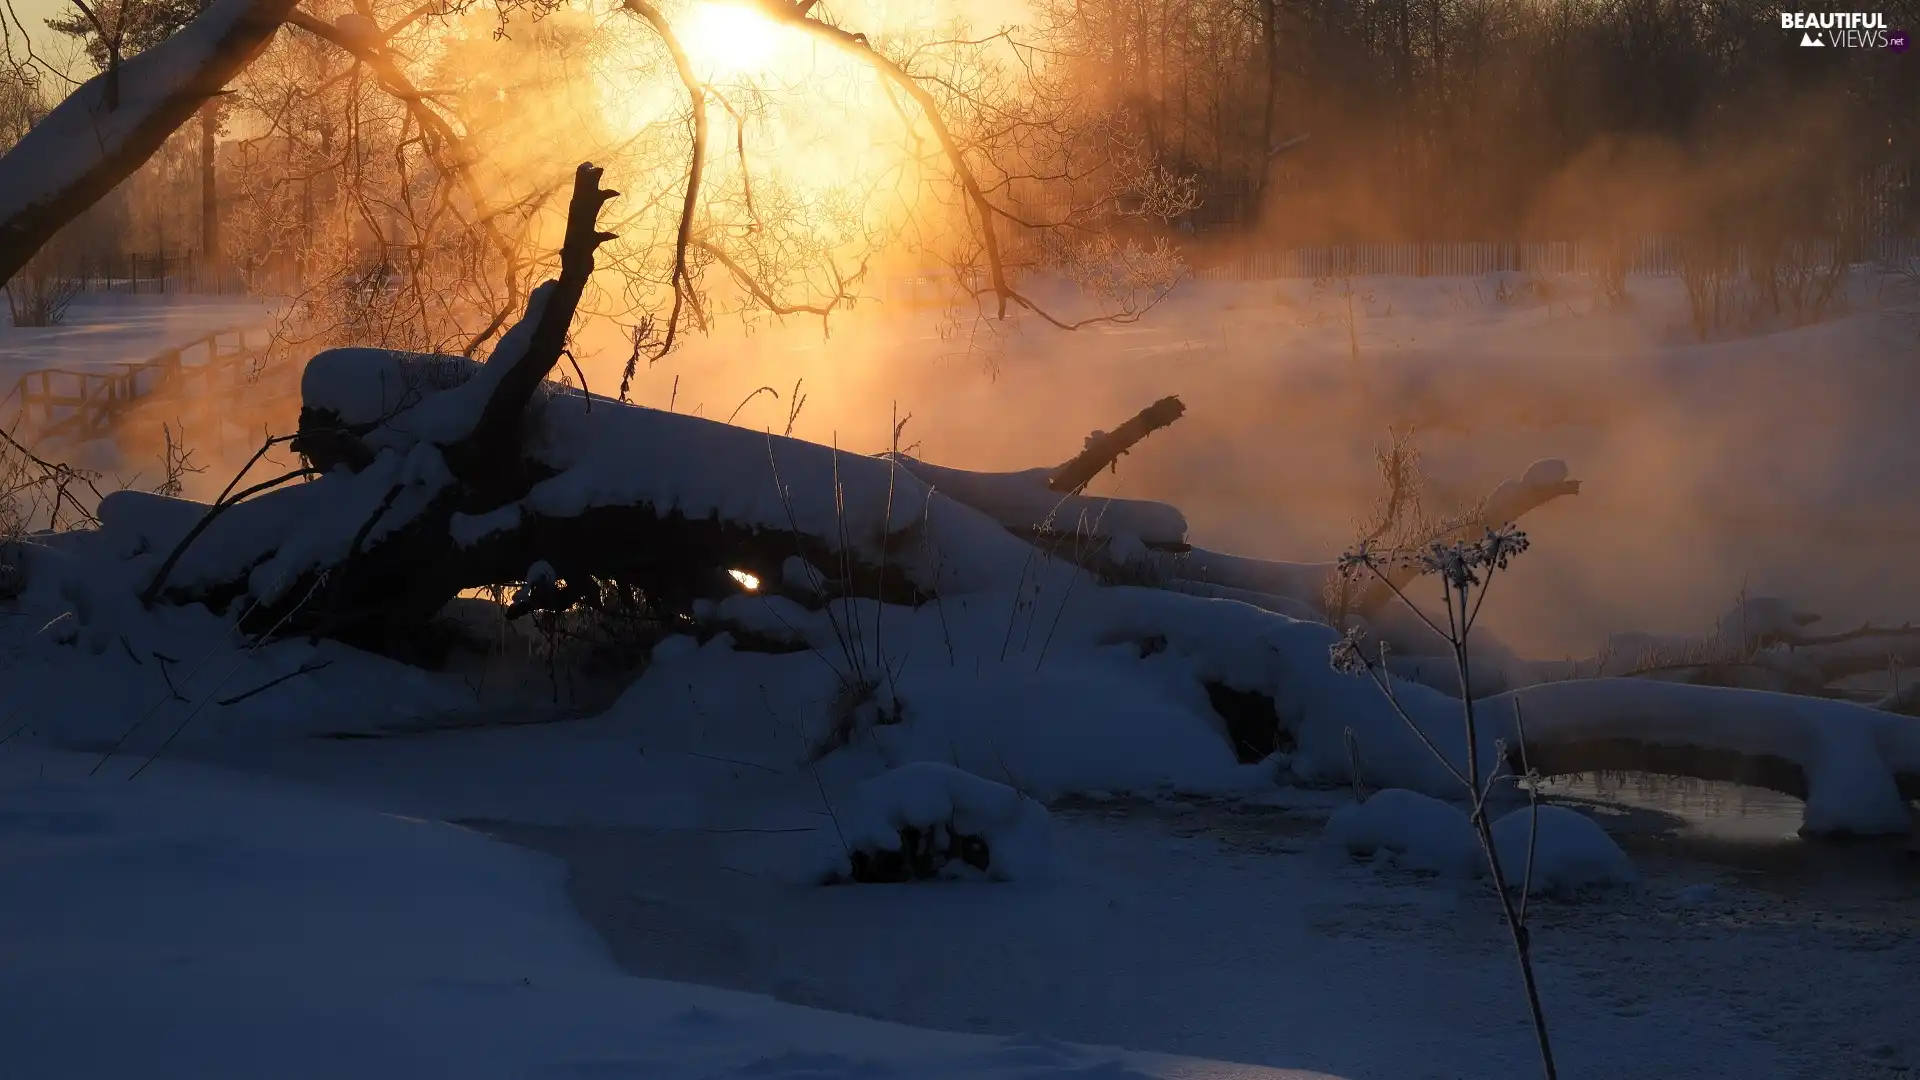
<point x="209" y="193"/>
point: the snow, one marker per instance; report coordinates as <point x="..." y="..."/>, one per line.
<point x="1569" y="854"/>
<point x="1408" y="829"/>
<point x="698" y="468"/>
<point x="1191" y="928"/>
<point x="218" y="928"/>
<point x="1173" y="916"/>
<point x="1061" y="731"/>
<point x="1702" y="895"/>
<point x="1022" y="500"/>
<point x="928" y="796"/>
<point x="1850" y="753"/>
<point x="104" y="330"/>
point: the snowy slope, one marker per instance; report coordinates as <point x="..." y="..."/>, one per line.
<point x="198" y="925"/>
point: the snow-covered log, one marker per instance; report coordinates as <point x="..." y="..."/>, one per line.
<point x="115" y="121"/>
<point x="1855" y="766"/>
<point x="1048" y="500"/>
<point x="442" y="474"/>
<point x="1025" y="504"/>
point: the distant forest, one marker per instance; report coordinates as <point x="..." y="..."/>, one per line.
<point x="1489" y="119"/>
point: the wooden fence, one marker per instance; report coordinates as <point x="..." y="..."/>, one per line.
<point x="139" y="274"/>
<point x="203" y="380"/>
<point x="1651" y="256"/>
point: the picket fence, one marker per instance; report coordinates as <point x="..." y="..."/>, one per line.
<point x="1650" y="256"/>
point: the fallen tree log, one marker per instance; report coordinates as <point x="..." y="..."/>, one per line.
<point x="1104" y="448"/>
<point x="1044" y="502"/>
<point x="1025" y="505"/>
<point x="1047" y="501"/>
<point x="1855" y="766"/>
<point x="1850" y="762"/>
<point x="442" y="474"/>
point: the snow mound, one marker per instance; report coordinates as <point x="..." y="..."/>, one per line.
<point x="1570" y="854"/>
<point x="927" y="819"/>
<point x="1062" y="730"/>
<point x="1414" y="831"/>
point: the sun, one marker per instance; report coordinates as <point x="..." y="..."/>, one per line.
<point x="727" y="37"/>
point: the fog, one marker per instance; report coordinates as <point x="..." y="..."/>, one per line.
<point x="1772" y="463"/>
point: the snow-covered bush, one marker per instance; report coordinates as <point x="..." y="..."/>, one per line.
<point x="927" y="820"/>
<point x="1414" y="831"/>
<point x="1570" y="852"/>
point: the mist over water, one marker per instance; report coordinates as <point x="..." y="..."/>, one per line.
<point x="1771" y="462"/>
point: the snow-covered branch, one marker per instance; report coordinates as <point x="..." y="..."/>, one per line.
<point x="115" y="121"/>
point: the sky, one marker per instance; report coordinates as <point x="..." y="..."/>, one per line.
<point x="33" y="14"/>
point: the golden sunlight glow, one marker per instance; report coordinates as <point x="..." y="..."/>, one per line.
<point x="747" y="581"/>
<point x="726" y="37"/>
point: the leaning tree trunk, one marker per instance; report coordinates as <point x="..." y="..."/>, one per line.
<point x="115" y="121"/>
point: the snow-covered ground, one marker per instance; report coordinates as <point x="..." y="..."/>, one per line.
<point x="317" y="877"/>
<point x="104" y="330"/>
<point x="1212" y="928"/>
<point x="200" y="925"/>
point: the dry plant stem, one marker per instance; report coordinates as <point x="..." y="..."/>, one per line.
<point x="60" y="477"/>
<point x="745" y="400"/>
<point x="251" y="649"/>
<point x="1516" y="927"/>
<point x="853" y="674"/>
<point x="1461" y="609"/>
<point x="1533" y="808"/>
<point x="307" y="668"/>
<point x="172" y="694"/>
